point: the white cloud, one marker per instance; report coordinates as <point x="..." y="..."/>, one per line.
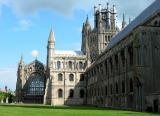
<point x="67" y="7"/>
<point x="23" y="25"/>
<point x="35" y="53"/>
<point x="2" y="3"/>
<point x="8" y="77"/>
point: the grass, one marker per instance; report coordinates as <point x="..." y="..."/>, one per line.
<point x="41" y="110"/>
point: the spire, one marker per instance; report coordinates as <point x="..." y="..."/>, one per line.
<point x="51" y="37"/>
<point x="129" y="20"/>
<point x="21" y="63"/>
<point x="123" y="22"/>
<point x="21" y="60"/>
<point x="83" y="28"/>
<point x="87" y="24"/>
<point x="107" y="6"/>
<point x="87" y="21"/>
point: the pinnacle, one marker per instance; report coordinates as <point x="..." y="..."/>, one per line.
<point x="51" y="36"/>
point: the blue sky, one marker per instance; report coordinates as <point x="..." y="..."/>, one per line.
<point x="25" y="25"/>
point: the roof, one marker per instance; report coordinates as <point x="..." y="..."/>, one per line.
<point x="36" y="61"/>
<point x="143" y="17"/>
<point x="68" y="53"/>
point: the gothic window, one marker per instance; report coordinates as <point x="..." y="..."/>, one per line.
<point x="60" y="77"/>
<point x="101" y="68"/>
<point x="81" y="93"/>
<point x="109" y="38"/>
<point x="58" y="64"/>
<point x="35" y="85"/>
<point x="123" y="57"/>
<point x="106" y="91"/>
<point x="106" y="38"/>
<point x="70" y="64"/>
<point x="71" y="93"/>
<point x="106" y="67"/>
<point x="60" y="93"/>
<point x="98" y="91"/>
<point x="80" y="65"/>
<point x="130" y="51"/>
<point x="71" y="77"/>
<point x="111" y="89"/>
<point x="111" y="65"/>
<point x="116" y="61"/>
<point x="155" y="23"/>
<point x="116" y="88"/>
<point x="123" y="87"/>
<point x="81" y="77"/>
<point x="131" y="85"/>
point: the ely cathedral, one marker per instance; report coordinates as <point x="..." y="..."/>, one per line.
<point x="116" y="68"/>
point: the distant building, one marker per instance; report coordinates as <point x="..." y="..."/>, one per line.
<point x="115" y="68"/>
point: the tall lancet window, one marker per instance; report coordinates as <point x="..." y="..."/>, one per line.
<point x="70" y="64"/>
<point x="58" y="64"/>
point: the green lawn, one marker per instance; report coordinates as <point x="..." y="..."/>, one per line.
<point x="40" y="110"/>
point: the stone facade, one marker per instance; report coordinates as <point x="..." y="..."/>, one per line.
<point x="126" y="74"/>
<point x="118" y="69"/>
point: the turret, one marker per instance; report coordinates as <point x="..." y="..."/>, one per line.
<point x="85" y="35"/>
<point x="20" y="80"/>
<point x="113" y="18"/>
<point x="87" y="24"/>
<point x="50" y="48"/>
<point x="123" y="22"/>
<point x="108" y="20"/>
<point x="21" y="64"/>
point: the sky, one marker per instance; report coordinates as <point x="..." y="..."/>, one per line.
<point x="25" y="27"/>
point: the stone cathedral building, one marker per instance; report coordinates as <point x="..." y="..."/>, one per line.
<point x="117" y="68"/>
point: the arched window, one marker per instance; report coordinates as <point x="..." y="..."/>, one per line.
<point x="81" y="93"/>
<point x="123" y="87"/>
<point x="155" y="23"/>
<point x="111" y="89"/>
<point x="123" y="58"/>
<point x="58" y="64"/>
<point x="116" y="88"/>
<point x="80" y="65"/>
<point x="111" y="65"/>
<point x="70" y="64"/>
<point x="116" y="61"/>
<point x="60" y="93"/>
<point x="131" y="85"/>
<point x="98" y="91"/>
<point x="130" y="51"/>
<point x="71" y="93"/>
<point x="81" y="77"/>
<point x="60" y="77"/>
<point x="71" y="77"/>
<point x="106" y="91"/>
<point x="35" y="85"/>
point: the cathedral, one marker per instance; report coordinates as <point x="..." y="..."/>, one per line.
<point x="116" y="68"/>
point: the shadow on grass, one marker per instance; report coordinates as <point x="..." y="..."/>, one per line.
<point x="72" y="108"/>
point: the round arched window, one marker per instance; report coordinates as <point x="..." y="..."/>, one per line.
<point x="71" y="77"/>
